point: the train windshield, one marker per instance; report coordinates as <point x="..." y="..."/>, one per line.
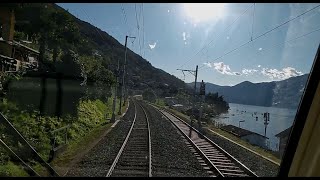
<point x="152" y="89"/>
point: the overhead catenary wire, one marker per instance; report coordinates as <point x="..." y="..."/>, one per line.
<point x="278" y="44"/>
<point x="263" y="34"/>
<point x="125" y="17"/>
<point x="138" y="26"/>
<point x="92" y="22"/>
<point x="254" y="5"/>
<point x="143" y="32"/>
<point x="140" y="12"/>
<point x="135" y="9"/>
<point x="230" y="25"/>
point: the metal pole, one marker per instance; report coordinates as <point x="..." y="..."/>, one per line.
<point x="202" y="94"/>
<point x="201" y="110"/>
<point x="123" y="93"/>
<point x="24" y="163"/>
<point x="113" y="117"/>
<point x="38" y="157"/>
<point x="194" y="93"/>
<point x="266" y="119"/>
<point x="124" y="73"/>
<point x="121" y="88"/>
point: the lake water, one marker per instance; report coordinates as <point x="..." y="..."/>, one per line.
<point x="280" y="119"/>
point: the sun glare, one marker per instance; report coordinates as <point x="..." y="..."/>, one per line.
<point x="200" y="12"/>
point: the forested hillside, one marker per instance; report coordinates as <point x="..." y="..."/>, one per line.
<point x="58" y="31"/>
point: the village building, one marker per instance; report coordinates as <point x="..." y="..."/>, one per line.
<point x="283" y="139"/>
<point x="14" y="55"/>
<point x="249" y="136"/>
<point x="170" y="101"/>
<point x="139" y="97"/>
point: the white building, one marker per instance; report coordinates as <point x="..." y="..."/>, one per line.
<point x="178" y="107"/>
<point x="249" y="136"/>
<point x="139" y="97"/>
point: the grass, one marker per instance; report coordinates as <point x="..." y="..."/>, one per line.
<point x="109" y="107"/>
<point x="12" y="170"/>
<point x="41" y="170"/>
<point x="79" y="145"/>
<point x="160" y="102"/>
<point x="77" y="148"/>
<point x="89" y="126"/>
<point x="123" y="108"/>
<point x="256" y="149"/>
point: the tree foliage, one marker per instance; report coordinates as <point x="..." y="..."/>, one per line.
<point x="217" y="101"/>
<point x="149" y="95"/>
<point x="57" y="30"/>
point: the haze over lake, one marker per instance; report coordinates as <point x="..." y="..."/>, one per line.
<point x="280" y="119"/>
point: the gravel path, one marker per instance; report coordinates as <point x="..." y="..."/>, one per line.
<point x="170" y="155"/>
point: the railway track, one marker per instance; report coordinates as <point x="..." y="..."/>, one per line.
<point x="215" y="160"/>
<point x="134" y="156"/>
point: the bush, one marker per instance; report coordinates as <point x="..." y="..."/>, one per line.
<point x="36" y="130"/>
<point x="10" y="169"/>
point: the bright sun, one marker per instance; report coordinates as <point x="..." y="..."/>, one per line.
<point x="200" y="12"/>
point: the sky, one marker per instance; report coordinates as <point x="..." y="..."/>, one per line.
<point x="229" y="42"/>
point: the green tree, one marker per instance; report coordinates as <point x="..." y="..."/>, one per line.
<point x="19" y="35"/>
<point x="217" y="102"/>
<point x="97" y="75"/>
<point x="69" y="64"/>
<point x="211" y="98"/>
<point x="149" y="95"/>
<point x="62" y="31"/>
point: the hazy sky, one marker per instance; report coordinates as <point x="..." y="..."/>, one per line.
<point x="171" y="35"/>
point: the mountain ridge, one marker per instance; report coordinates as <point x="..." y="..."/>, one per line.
<point x="140" y="72"/>
<point x="285" y="93"/>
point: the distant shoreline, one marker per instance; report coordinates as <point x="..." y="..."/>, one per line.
<point x="264" y="106"/>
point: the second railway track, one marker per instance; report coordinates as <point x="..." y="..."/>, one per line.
<point x="134" y="156"/>
<point x="212" y="157"/>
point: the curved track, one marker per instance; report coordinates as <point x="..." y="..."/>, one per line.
<point x="212" y="157"/>
<point x="134" y="156"/>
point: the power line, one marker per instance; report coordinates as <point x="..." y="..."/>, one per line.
<point x="217" y="36"/>
<point x="135" y="9"/>
<point x="125" y="17"/>
<point x="225" y="46"/>
<point x="138" y="25"/>
<point x="92" y="21"/>
<point x="267" y="32"/>
<point x="286" y="22"/>
<point x="254" y="5"/>
<point x="140" y="12"/>
<point x="293" y="39"/>
<point x="143" y="31"/>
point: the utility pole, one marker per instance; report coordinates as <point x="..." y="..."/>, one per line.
<point x="195" y="73"/>
<point x="266" y="122"/>
<point x="122" y="88"/>
<point x="202" y="94"/>
<point x="113" y="117"/>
